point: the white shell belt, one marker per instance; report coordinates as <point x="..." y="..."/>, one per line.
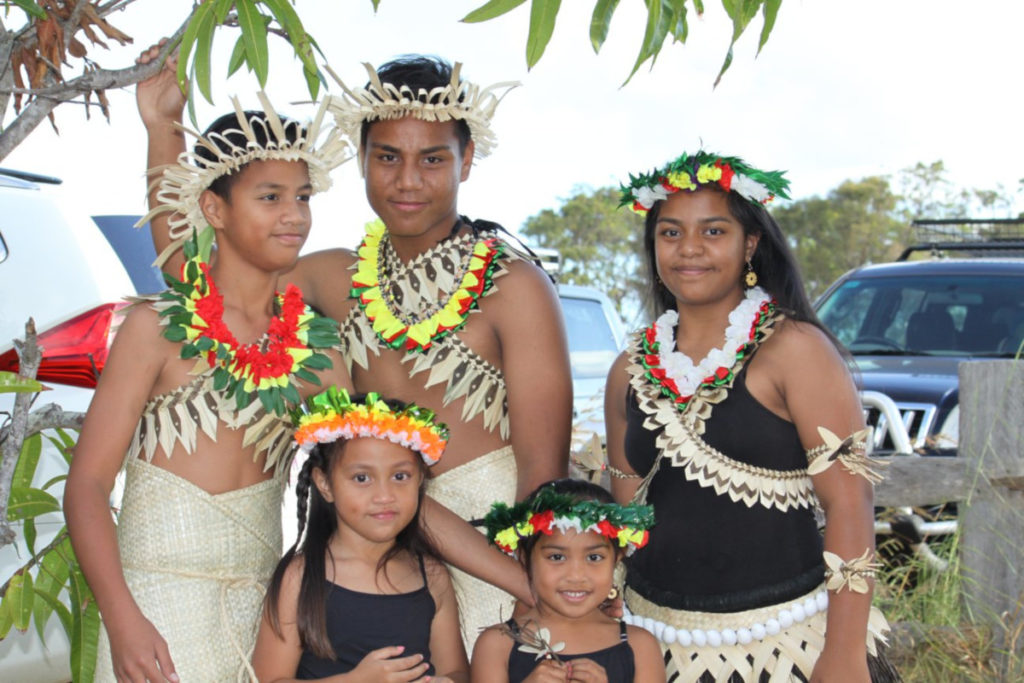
<point x="742" y="633"/>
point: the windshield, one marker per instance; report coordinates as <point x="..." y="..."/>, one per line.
<point x="592" y="347"/>
<point x="951" y="315"/>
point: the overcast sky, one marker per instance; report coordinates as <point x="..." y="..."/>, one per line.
<point x="842" y="90"/>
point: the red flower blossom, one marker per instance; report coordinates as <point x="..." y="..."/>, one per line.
<point x="541" y="521"/>
<point x="606" y="529"/>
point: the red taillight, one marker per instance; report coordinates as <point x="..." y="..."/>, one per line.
<point x="75" y="351"/>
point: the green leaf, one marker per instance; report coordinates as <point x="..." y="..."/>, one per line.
<point x="677" y="21"/>
<point x="490" y="10"/>
<point x="19" y="598"/>
<point x="599" y="22"/>
<point x="771" y="11"/>
<point x="188" y="41"/>
<point x="47" y="604"/>
<point x="33" y="10"/>
<point x="237" y="56"/>
<point x="203" y="49"/>
<point x="54" y="480"/>
<point x="12" y="382"/>
<point x="542" y="24"/>
<point x="376" y="4"/>
<point x="85" y="630"/>
<point x="26" y="503"/>
<point x="29" y="530"/>
<point x="68" y="440"/>
<point x="654" y="35"/>
<point x="221" y="8"/>
<point x="6" y="622"/>
<point x="254" y="31"/>
<point x="289" y="20"/>
<point x="291" y="394"/>
<point x="53" y="574"/>
<point x="314" y="79"/>
<point x="725" y="65"/>
<point x="28" y="460"/>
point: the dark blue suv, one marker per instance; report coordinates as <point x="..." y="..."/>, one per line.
<point x="909" y="324"/>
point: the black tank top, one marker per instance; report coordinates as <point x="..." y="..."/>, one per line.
<point x="617" y="660"/>
<point x="707" y="552"/>
<point x="358" y="623"/>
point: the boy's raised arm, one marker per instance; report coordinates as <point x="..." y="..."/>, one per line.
<point x="161" y="102"/>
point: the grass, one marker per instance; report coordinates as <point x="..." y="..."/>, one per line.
<point x="933" y="637"/>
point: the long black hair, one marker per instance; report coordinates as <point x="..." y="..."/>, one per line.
<point x="773" y="262"/>
<point x="313" y="546"/>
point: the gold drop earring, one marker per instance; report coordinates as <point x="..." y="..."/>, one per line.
<point x="750" y="278"/>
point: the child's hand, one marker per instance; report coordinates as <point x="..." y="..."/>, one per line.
<point x="139" y="652"/>
<point x="548" y="671"/>
<point x="586" y="670"/>
<point x="159" y="98"/>
<point x="385" y="666"/>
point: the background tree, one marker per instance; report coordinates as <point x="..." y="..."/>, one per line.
<point x="854" y="224"/>
<point x="600" y="244"/>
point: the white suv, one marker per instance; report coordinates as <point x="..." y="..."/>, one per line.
<point x="56" y="267"/>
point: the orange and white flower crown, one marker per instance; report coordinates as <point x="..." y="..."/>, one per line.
<point x="459" y="100"/>
<point x="266" y="137"/>
<point x="332" y="415"/>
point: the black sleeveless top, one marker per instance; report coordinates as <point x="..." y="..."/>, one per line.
<point x="707" y="552"/>
<point x="617" y="660"/>
<point x="358" y="623"/>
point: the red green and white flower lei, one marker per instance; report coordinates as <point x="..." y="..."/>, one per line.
<point x="677" y="375"/>
<point x="266" y="369"/>
<point x="548" y="511"/>
<point x="418" y="336"/>
<point x="691" y="171"/>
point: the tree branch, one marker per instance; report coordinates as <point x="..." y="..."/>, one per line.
<point x="29" y="357"/>
<point x="47" y="99"/>
<point x="36" y="559"/>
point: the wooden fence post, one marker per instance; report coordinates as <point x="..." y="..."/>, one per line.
<point x="992" y="517"/>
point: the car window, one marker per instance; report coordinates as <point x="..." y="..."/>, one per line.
<point x="592" y="347"/>
<point x="950" y="315"/>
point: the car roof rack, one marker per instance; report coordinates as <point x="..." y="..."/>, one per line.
<point x="981" y="236"/>
<point x="31" y="177"/>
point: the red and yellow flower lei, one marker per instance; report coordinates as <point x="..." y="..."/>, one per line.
<point x="397" y="334"/>
<point x="722" y="375"/>
<point x="196" y="318"/>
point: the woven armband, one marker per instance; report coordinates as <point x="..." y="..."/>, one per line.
<point x="851" y="452"/>
<point x="852" y="575"/>
<point x="619" y="474"/>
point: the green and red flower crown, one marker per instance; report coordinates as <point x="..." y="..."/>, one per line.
<point x="548" y="511"/>
<point x="691" y="171"/>
<point x="332" y="415"/>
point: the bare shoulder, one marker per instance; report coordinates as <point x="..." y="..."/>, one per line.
<point x="492" y="644"/>
<point x="321" y="273"/>
<point x="438" y="579"/>
<point x="647" y="655"/>
<point x="525" y="279"/>
<point x="801" y="344"/>
<point x="141" y="330"/>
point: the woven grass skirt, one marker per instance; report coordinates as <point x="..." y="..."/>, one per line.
<point x="765" y="645"/>
<point x="197" y="566"/>
<point x="468" y="490"/>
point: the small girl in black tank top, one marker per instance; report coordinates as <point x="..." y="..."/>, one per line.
<point x="569" y="535"/>
<point x="361" y="590"/>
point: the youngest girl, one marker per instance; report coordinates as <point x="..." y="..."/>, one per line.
<point x="569" y="535"/>
<point x="361" y="593"/>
